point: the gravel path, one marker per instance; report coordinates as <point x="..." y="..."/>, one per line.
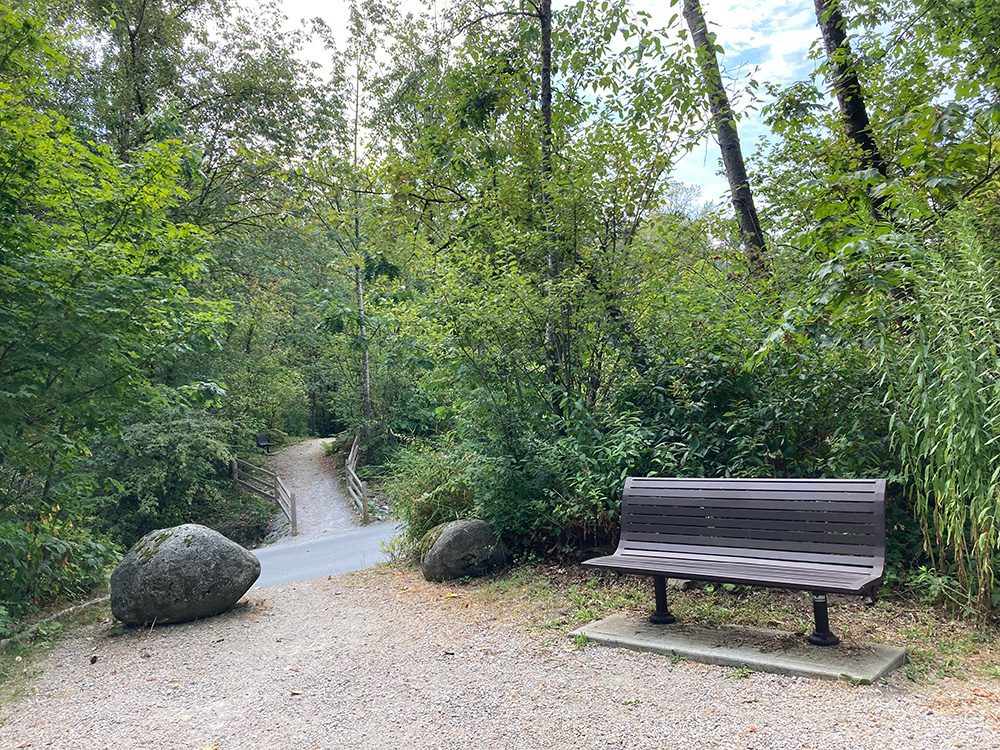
<point x="320" y="503"/>
<point x="382" y="660"/>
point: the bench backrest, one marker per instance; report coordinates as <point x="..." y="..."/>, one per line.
<point x="823" y="521"/>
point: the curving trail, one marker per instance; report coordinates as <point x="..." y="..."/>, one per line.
<point x="323" y="509"/>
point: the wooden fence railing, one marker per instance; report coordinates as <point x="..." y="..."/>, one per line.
<point x="265" y="484"/>
<point x="356" y="489"/>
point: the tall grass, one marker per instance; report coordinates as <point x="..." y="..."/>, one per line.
<point x="943" y="373"/>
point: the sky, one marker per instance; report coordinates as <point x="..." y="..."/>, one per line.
<point x="768" y="40"/>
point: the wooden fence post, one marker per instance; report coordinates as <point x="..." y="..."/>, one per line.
<point x="235" y="469"/>
<point x="364" y="502"/>
<point x="295" y="518"/>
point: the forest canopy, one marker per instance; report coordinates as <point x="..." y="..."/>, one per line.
<point x="460" y="236"/>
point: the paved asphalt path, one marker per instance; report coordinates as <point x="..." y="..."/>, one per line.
<point x="315" y="557"/>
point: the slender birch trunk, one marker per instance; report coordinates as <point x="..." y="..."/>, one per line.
<point x="724" y="120"/>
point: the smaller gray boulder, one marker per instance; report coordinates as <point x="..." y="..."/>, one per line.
<point x="459" y="549"/>
<point x="181" y="574"/>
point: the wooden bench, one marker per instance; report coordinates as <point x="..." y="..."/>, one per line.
<point x="818" y="535"/>
<point x="263" y="440"/>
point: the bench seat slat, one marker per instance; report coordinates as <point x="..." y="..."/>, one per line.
<point x="844" y="581"/>
<point x="735" y="555"/>
<point x="829" y="546"/>
<point x="654" y="548"/>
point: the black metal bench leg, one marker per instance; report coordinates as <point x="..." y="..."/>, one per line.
<point x="661" y="616"/>
<point x="822" y="635"/>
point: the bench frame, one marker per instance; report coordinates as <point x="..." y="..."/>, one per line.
<point x="829" y="537"/>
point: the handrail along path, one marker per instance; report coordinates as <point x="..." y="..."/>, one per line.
<point x="266" y="484"/>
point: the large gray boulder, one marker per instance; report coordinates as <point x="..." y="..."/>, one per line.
<point x="180" y="574"/>
<point x="460" y="549"/>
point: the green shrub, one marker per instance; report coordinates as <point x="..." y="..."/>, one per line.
<point x="47" y="560"/>
<point x="171" y="468"/>
<point x="549" y="484"/>
<point x="431" y="482"/>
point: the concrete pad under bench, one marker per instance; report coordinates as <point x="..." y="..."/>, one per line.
<point x="760" y="650"/>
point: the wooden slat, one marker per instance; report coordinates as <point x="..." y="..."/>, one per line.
<point x="846" y="581"/>
<point x="737" y="496"/>
<point x="779" y="514"/>
<point x="828" y="546"/>
<point x="633" y="520"/>
<point x="253" y="468"/>
<point x="258" y="487"/>
<point x="748" y="565"/>
<point x="355" y="497"/>
<point x="258" y="483"/>
<point x="281" y="486"/>
<point x="639" y="547"/>
<point x="819" y="485"/>
<point x="663" y="505"/>
<point x="757" y="557"/>
<point x="800" y="534"/>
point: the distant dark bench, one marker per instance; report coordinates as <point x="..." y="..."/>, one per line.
<point x="818" y="535"/>
<point x="263" y="441"/>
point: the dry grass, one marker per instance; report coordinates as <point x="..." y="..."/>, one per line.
<point x="557" y="598"/>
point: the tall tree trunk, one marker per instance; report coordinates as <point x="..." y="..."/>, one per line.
<point x="729" y="141"/>
<point x="850" y="96"/>
<point x="554" y="342"/>
<point x="359" y="271"/>
<point x="545" y="102"/>
<point x="846" y="85"/>
<point x="366" y="374"/>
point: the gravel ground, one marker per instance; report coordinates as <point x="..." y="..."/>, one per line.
<point x="320" y="503"/>
<point x="382" y="660"/>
